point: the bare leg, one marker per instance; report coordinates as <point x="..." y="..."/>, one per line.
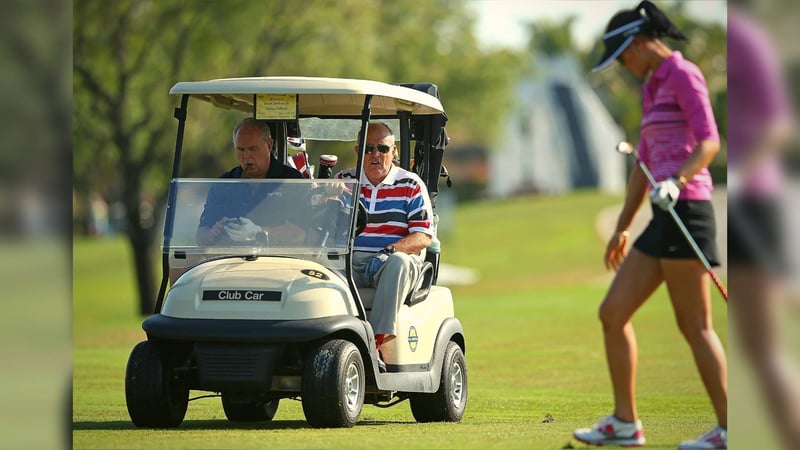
<point x="637" y="278"/>
<point x="690" y="292"/>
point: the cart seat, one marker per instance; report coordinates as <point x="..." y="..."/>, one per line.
<point x="418" y="294"/>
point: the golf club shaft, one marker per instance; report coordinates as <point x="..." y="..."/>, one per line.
<point x="683" y="229"/>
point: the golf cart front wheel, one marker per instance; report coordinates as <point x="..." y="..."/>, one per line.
<point x="249" y="411"/>
<point x="333" y="385"/>
<point x="156" y="395"/>
<point x="449" y="402"/>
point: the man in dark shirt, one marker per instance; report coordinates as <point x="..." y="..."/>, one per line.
<point x="225" y="214"/>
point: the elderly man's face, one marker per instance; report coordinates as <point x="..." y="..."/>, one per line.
<point x="377" y="164"/>
<point x="253" y="152"/>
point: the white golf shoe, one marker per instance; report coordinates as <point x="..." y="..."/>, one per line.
<point x="612" y="431"/>
<point x="717" y="438"/>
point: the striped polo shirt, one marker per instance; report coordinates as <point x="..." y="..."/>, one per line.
<point x="397" y="207"/>
<point x="676" y="115"/>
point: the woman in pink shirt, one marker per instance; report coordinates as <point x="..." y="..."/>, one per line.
<point x="678" y="140"/>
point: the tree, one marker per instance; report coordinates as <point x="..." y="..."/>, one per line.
<point x="126" y="56"/>
<point x="117" y="131"/>
<point x="552" y="38"/>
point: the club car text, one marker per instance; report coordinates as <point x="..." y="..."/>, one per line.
<point x="235" y="294"/>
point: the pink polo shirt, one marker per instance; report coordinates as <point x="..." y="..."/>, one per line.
<point x="676" y="115"/>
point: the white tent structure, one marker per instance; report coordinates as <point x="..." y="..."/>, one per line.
<point x="559" y="137"/>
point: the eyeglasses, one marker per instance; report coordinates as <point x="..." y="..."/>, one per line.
<point x="383" y="148"/>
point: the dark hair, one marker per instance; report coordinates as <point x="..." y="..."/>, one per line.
<point x="658" y="24"/>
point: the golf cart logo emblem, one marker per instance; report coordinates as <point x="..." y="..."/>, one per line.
<point x="413" y="339"/>
<point x="315" y="274"/>
<point x="235" y="294"/>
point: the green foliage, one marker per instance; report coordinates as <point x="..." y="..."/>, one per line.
<point x="552" y="38"/>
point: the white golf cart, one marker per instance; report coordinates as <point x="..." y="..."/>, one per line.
<point x="269" y="318"/>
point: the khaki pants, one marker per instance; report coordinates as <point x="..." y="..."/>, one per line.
<point x="395" y="279"/>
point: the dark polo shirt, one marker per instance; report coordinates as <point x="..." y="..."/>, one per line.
<point x="237" y="200"/>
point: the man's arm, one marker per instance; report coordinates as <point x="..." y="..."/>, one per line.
<point x="420" y="221"/>
<point x="413" y="243"/>
<point x="212" y="220"/>
<point x="206" y="235"/>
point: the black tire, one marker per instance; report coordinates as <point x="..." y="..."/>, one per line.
<point x="333" y="385"/>
<point x="449" y="402"/>
<point x="249" y="411"/>
<point x="155" y="394"/>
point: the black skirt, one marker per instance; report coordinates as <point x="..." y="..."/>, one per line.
<point x="663" y="239"/>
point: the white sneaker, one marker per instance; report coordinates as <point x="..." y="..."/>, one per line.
<point x="717" y="438"/>
<point x="612" y="431"/>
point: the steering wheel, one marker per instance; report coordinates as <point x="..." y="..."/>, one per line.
<point x="322" y="225"/>
<point x="329" y="222"/>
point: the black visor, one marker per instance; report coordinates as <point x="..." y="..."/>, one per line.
<point x="617" y="40"/>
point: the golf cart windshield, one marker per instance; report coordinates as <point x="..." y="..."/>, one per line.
<point x="298" y="218"/>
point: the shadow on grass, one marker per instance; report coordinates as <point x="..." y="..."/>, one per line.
<point x="219" y="425"/>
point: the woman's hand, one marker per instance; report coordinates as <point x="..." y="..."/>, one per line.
<point x="616" y="251"/>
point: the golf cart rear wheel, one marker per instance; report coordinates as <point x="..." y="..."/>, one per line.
<point x="249" y="411"/>
<point x="333" y="385"/>
<point x="156" y="395"/>
<point x="449" y="402"/>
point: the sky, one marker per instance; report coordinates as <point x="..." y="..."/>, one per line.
<point x="501" y="23"/>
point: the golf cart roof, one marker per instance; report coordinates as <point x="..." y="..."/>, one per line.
<point x="315" y="96"/>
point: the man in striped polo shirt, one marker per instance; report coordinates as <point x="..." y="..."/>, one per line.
<point x="388" y="253"/>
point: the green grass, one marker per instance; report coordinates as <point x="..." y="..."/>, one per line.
<point x="534" y="347"/>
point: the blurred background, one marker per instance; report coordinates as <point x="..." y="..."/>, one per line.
<point x="86" y="84"/>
